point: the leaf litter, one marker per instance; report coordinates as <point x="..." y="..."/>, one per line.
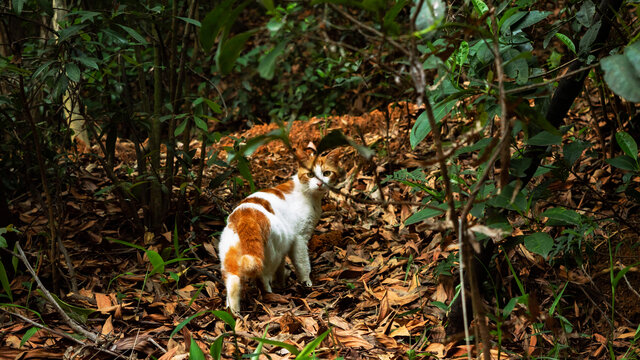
<point x="377" y="282"/>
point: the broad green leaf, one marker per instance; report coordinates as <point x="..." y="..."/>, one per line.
<point x="586" y="13"/>
<point x="480" y="6"/>
<point x="213" y="23"/>
<point x="540" y="243"/>
<point x="545" y="138"/>
<point x="244" y="170"/>
<point x="424" y="214"/>
<point x="4" y="280"/>
<point x="509" y="18"/>
<point x="134" y="34"/>
<point x="561" y="216"/>
<point x="230" y="50"/>
<point x="156" y="261"/>
<point x="73" y="71"/>
<point x="532" y="18"/>
<point x="185" y="322"/>
<point x="627" y="144"/>
<point x="267" y="65"/>
<point x="180" y="129"/>
<point x="18" y="5"/>
<point x="462" y="54"/>
<point x="214" y="106"/>
<point x="216" y="347"/>
<point x="226" y="317"/>
<point x="28" y="335"/>
<point x="565" y="39"/>
<point x="195" y="353"/>
<point x="552" y="309"/>
<point x="624" y="162"/>
<point x="88" y="61"/>
<point x="589" y="37"/>
<point x="70" y="31"/>
<point x="193" y="22"/>
<point x="572" y="151"/>
<point x="430" y="14"/>
<point x="200" y="124"/>
<point x="422" y="127"/>
<point x="621" y="76"/>
<point x="77" y="313"/>
<point x="305" y="353"/>
<point x="389" y="21"/>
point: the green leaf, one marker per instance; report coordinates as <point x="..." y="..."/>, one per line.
<point x="201" y="124"/>
<point x="424" y="214"/>
<point x="552" y="309"/>
<point x="586" y="13"/>
<point x="134" y="34"/>
<point x="565" y="39"/>
<point x="336" y="138"/>
<point x="389" y="21"/>
<point x="28" y="335"/>
<point x="185" y="322"/>
<point x="216" y="347"/>
<point x="462" y="54"/>
<point x="589" y="37"/>
<point x="430" y="14"/>
<point x="229" y="51"/>
<point x="195" y="353"/>
<point x="310" y="347"/>
<point x="70" y="31"/>
<point x="245" y="171"/>
<point x="18" y="5"/>
<point x="621" y="273"/>
<point x="156" y="261"/>
<point x="226" y="317"/>
<point x="88" y="62"/>
<point x="561" y="216"/>
<point x="122" y="242"/>
<point x="422" y="127"/>
<point x="545" y="138"/>
<point x="180" y="129"/>
<point x="540" y="243"/>
<point x="213" y="23"/>
<point x="193" y="22"/>
<point x="621" y="76"/>
<point x="73" y="71"/>
<point x="624" y="162"/>
<point x="77" y="313"/>
<point x="292" y="349"/>
<point x="214" y="106"/>
<point x="4" y="280"/>
<point x="267" y="65"/>
<point x="531" y="18"/>
<point x="627" y="144"/>
<point x="572" y="151"/>
<point x="480" y="7"/>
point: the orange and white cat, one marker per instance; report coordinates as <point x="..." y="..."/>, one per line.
<point x="274" y="223"/>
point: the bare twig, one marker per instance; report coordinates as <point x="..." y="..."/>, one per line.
<point x="57" y="332"/>
<point x="75" y="326"/>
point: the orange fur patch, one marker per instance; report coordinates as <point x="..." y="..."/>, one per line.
<point x="262" y="202"/>
<point x="253" y="229"/>
<point x="286" y="187"/>
<point x="274" y="191"/>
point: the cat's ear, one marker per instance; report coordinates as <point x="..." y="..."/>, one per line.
<point x="333" y="156"/>
<point x="302" y="156"/>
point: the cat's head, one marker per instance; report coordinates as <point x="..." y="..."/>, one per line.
<point x="316" y="172"/>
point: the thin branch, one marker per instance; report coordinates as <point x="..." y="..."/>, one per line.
<point x="75" y="326"/>
<point x="58" y="332"/>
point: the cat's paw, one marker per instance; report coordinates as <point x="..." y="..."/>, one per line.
<point x="307" y="283"/>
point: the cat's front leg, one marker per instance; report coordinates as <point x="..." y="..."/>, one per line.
<point x="299" y="255"/>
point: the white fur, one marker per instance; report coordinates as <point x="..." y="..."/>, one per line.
<point x="292" y="224"/>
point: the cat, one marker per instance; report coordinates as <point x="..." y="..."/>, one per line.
<point x="273" y="223"/>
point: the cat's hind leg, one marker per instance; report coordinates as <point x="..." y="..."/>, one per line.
<point x="233" y="284"/>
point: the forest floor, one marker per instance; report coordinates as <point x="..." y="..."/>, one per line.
<point x="379" y="285"/>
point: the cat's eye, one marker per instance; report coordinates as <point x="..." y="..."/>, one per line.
<point x="327" y="173"/>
